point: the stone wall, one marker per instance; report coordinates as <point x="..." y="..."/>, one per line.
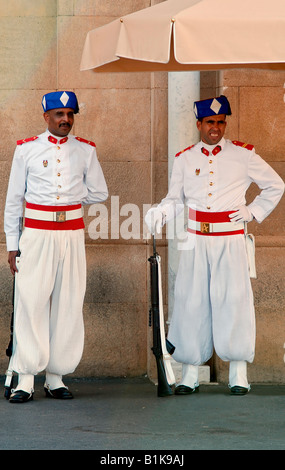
<point x="126" y="115"/>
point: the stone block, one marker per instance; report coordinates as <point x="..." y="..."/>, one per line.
<point x="262" y="120"/>
<point x="21" y="117"/>
<point x="159" y="128"/>
<point x="31" y="8"/>
<point x="232" y="129"/>
<point x="115" y="312"/>
<point x="269" y="293"/>
<point x="159" y="80"/>
<point x="121" y="217"/>
<point x="108" y="7"/>
<point x="116" y="274"/>
<point x="65" y="8"/>
<point x="252" y="78"/>
<point x="123" y="116"/>
<point x="209" y="83"/>
<point x="28" y="53"/>
<point x="159" y="182"/>
<point x="274" y="224"/>
<point x="115" y="340"/>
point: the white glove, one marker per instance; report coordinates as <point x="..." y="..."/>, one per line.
<point x="243" y="214"/>
<point x="154" y="219"/>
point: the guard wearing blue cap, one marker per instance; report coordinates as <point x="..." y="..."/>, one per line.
<point x="212" y="107"/>
<point x="60" y="99"/>
<point x="55" y="174"/>
<point x="213" y="302"/>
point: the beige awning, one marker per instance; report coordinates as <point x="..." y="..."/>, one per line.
<point x="191" y="35"/>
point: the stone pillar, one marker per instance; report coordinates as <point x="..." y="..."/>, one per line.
<point x="183" y="90"/>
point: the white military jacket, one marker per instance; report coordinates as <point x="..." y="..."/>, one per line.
<point x="48" y="170"/>
<point x="218" y="181"/>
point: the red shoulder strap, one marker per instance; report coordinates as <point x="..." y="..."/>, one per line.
<point x="86" y="141"/>
<point x="21" y="142"/>
<point x="242" y="144"/>
<point x="182" y="151"/>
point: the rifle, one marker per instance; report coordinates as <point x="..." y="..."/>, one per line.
<point x="162" y="348"/>
<point x="9" y="351"/>
<point x="9" y="381"/>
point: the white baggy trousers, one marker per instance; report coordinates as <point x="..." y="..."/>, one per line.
<point x="51" y="284"/>
<point x="213" y="302"/>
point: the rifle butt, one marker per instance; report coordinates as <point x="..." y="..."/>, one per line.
<point x="7" y="392"/>
<point x="163" y="387"/>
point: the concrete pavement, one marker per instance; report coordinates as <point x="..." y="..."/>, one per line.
<point x="126" y="415"/>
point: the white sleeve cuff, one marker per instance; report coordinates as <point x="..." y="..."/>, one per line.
<point x="12" y="243"/>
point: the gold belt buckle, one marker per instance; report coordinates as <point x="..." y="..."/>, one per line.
<point x="61" y="216"/>
<point x="204" y="227"/>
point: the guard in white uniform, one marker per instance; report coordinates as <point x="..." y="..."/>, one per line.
<point x="55" y="174"/>
<point x="213" y="304"/>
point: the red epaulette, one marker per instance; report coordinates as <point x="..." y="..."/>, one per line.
<point x="242" y="144"/>
<point x="86" y="141"/>
<point x="30" y="139"/>
<point x="182" y="151"/>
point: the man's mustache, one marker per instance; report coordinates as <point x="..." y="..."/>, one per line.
<point x="65" y="124"/>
